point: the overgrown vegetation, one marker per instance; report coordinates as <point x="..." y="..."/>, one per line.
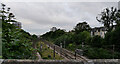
<point x="96" y="46"/>
<point x="46" y="52"/>
<point x="16" y="43"/>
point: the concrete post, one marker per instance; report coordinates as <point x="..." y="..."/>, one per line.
<point x="54" y="53"/>
<point x="113" y="50"/>
<point x="75" y="54"/>
<point x="61" y="45"/>
<point x="64" y="44"/>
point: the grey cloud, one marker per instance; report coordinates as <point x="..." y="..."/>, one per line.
<point x="39" y="17"/>
<point x="60" y="0"/>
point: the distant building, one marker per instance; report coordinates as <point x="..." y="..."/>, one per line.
<point x="18" y="24"/>
<point x="100" y="31"/>
<point x="53" y="29"/>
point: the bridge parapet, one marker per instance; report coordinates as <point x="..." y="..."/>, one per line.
<point x="93" y="61"/>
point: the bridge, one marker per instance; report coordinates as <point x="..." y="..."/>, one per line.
<point x="93" y="61"/>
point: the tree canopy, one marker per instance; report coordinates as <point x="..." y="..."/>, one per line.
<point x="108" y="18"/>
<point x="16" y="43"/>
<point x="80" y="27"/>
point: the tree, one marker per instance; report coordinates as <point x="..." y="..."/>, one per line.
<point x="80" y="27"/>
<point x="64" y="39"/>
<point x="118" y="18"/>
<point x="96" y="41"/>
<point x="98" y="53"/>
<point x="81" y="37"/>
<point x="16" y="43"/>
<point x="108" y="18"/>
<point x="113" y="38"/>
<point x="34" y="36"/>
<point x="53" y="35"/>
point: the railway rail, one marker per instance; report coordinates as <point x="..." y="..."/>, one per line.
<point x="64" y="52"/>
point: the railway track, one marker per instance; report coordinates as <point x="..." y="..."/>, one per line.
<point x="64" y="52"/>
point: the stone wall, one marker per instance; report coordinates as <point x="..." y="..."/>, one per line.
<point x="94" y="61"/>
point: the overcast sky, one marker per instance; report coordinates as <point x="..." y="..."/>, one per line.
<point x="39" y="17"/>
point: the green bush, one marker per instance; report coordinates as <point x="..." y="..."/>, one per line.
<point x="96" y="41"/>
<point x="16" y="43"/>
<point x="98" y="53"/>
<point x="49" y="56"/>
<point x="113" y="38"/>
<point x="45" y="58"/>
<point x="71" y="47"/>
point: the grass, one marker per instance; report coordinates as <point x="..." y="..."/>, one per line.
<point x="0" y="57"/>
<point x="47" y="53"/>
<point x="0" y="29"/>
<point x="0" y="32"/>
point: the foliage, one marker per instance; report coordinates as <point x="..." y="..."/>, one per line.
<point x="71" y="46"/>
<point x="96" y="53"/>
<point x="34" y="37"/>
<point x="46" y="52"/>
<point x="96" y="46"/>
<point x="16" y="43"/>
<point x="108" y="18"/>
<point x="64" y="39"/>
<point x="53" y="35"/>
<point x="118" y="18"/>
<point x="81" y="37"/>
<point x="80" y="27"/>
<point x="113" y="38"/>
<point x="96" y="41"/>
